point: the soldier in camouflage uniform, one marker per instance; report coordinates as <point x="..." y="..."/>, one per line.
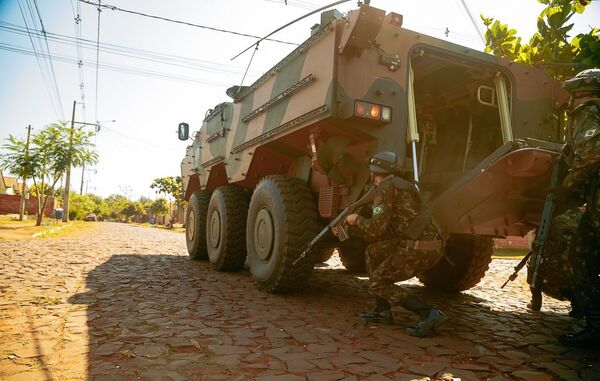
<point x="566" y="246"/>
<point x="390" y="256"/>
<point x="581" y="186"/>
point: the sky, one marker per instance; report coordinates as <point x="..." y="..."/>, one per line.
<point x="185" y="70"/>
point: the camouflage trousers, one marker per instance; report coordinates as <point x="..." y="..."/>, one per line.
<point x="391" y="261"/>
<point x="571" y="259"/>
<point x="588" y="269"/>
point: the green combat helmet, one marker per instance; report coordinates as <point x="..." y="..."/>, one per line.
<point x="385" y="162"/>
<point x="585" y="81"/>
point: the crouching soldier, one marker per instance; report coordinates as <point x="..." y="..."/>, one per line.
<point x="391" y="256"/>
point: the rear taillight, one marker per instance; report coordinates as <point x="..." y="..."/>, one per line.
<point x="373" y="111"/>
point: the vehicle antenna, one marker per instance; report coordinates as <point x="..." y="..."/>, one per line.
<point x="288" y="24"/>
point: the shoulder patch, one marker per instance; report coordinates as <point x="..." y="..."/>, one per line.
<point x="591" y="133"/>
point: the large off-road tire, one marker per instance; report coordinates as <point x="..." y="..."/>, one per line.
<point x="471" y="256"/>
<point x="282" y="219"/>
<point x="352" y="255"/>
<point x="195" y="225"/>
<point x="226" y="228"/>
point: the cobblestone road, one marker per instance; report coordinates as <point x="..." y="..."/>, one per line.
<point x="123" y="302"/>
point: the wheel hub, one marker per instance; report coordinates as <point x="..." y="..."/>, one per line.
<point x="215" y="229"/>
<point x="191" y="226"/>
<point x="263" y="234"/>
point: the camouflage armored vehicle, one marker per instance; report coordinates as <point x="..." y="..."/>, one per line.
<point x="269" y="168"/>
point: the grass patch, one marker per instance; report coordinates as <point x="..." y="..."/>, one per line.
<point x="12" y="228"/>
<point x="510" y="253"/>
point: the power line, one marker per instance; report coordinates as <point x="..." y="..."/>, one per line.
<point x="50" y="59"/>
<point x="138" y="140"/>
<point x="97" y="60"/>
<point x="162" y="58"/>
<point x="39" y="61"/>
<point x="117" y="68"/>
<point x="297" y="4"/>
<point x="114" y="8"/>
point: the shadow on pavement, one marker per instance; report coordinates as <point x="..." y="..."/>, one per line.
<point x="154" y="316"/>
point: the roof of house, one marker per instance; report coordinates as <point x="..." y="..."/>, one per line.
<point x="11" y="182"/>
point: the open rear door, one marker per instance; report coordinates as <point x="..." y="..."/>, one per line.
<point x="502" y="196"/>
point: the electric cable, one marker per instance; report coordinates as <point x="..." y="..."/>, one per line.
<point x="117" y="68"/>
<point x="97" y="60"/>
<point x="115" y="8"/>
<point x="39" y="61"/>
<point x="162" y="58"/>
<point x="50" y="60"/>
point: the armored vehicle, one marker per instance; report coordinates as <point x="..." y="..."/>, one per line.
<point x="269" y="168"/>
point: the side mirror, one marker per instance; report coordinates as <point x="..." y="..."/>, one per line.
<point x="183" y="131"/>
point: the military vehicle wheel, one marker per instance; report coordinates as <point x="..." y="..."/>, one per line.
<point x="471" y="256"/>
<point x="226" y="228"/>
<point x="195" y="226"/>
<point x="352" y="255"/>
<point x="282" y="219"/>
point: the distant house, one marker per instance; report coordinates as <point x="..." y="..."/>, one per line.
<point x="9" y="185"/>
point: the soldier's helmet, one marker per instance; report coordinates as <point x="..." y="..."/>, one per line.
<point x="384" y="163"/>
<point x="584" y="83"/>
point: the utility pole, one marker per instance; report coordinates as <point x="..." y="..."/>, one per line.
<point x="68" y="171"/>
<point x="24" y="185"/>
<point x="82" y="177"/>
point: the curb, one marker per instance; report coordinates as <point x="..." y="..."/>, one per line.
<point x="53" y="230"/>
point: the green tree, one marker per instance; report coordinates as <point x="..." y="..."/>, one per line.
<point x="81" y="206"/>
<point x="171" y="187"/>
<point x="550" y="45"/>
<point x="50" y="151"/>
<point x="98" y="202"/>
<point x="133" y="208"/>
<point x="113" y="206"/>
<point x="14" y="159"/>
<point x="160" y="207"/>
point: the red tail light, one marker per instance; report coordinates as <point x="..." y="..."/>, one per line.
<point x="373" y="111"/>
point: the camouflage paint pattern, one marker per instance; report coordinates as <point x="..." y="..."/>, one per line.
<point x="584" y="156"/>
<point x="279" y="122"/>
<point x="571" y="259"/>
<point x="581" y="254"/>
<point x="389" y="258"/>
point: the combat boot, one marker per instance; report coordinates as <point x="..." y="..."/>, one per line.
<point x="434" y="319"/>
<point x="380" y="305"/>
<point x="589" y="338"/>
<point x="383" y="317"/>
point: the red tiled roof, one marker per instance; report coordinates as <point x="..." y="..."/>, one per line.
<point x="11" y="182"/>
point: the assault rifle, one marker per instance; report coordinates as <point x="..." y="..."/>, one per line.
<point x="535" y="254"/>
<point x="336" y="226"/>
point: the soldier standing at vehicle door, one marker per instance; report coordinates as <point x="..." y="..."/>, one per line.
<point x="391" y="256"/>
<point x="581" y="184"/>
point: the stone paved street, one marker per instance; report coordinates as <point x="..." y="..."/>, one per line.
<point x="123" y="302"/>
